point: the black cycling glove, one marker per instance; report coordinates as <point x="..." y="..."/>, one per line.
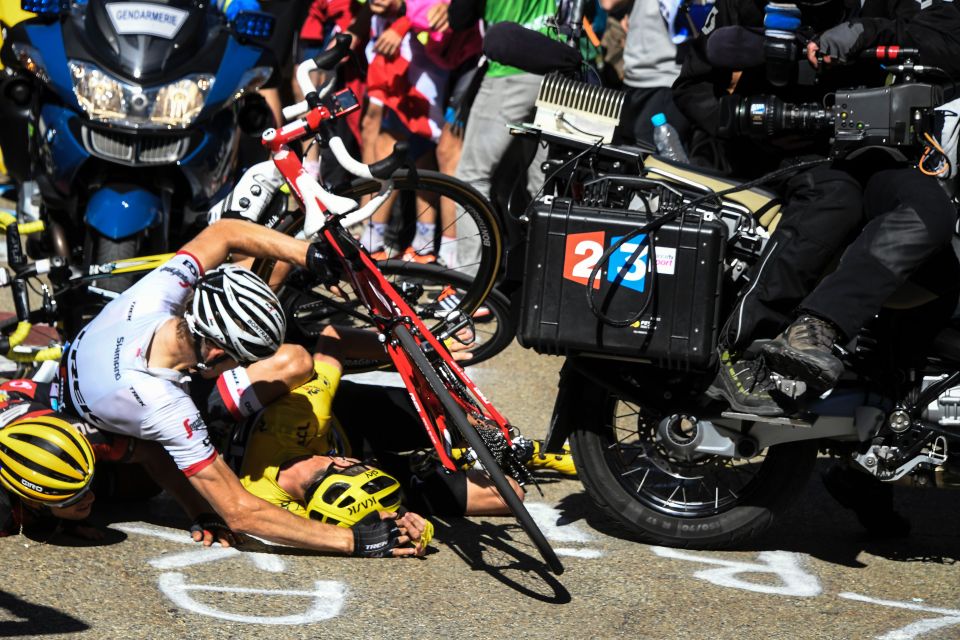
<point x="374" y="538"/>
<point x="214" y="524"/>
<point x="324" y="267"/>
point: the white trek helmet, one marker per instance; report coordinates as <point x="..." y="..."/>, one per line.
<point x="238" y="312"/>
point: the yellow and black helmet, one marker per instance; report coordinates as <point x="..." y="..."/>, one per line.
<point x="344" y="496"/>
<point x="45" y="459"/>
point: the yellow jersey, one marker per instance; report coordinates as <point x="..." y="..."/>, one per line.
<point x="297" y="425"/>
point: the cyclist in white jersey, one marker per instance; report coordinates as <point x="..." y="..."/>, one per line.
<point x="127" y="372"/>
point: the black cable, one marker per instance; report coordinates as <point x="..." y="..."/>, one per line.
<point x="594" y="147"/>
<point x="652" y="226"/>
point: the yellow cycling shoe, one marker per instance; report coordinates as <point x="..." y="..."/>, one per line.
<point x="559" y="462"/>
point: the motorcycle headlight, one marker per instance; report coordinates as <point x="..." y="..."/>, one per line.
<point x="178" y="104"/>
<point x="99" y="95"/>
<point x="108" y="99"/>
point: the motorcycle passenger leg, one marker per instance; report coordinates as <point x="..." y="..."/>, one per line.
<point x="911" y="220"/>
<point x="823" y="208"/>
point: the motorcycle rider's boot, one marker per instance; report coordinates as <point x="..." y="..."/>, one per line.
<point x="746" y="386"/>
<point x="804" y="351"/>
<point x="870" y="499"/>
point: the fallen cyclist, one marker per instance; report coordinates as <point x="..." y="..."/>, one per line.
<point x="294" y="453"/>
<point x="128" y="372"/>
<point x="46" y="471"/>
<point x="125" y="469"/>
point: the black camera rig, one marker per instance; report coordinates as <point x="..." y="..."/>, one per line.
<point x="892" y="116"/>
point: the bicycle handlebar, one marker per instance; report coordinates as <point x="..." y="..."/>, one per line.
<point x="329" y="59"/>
<point x="326" y="61"/>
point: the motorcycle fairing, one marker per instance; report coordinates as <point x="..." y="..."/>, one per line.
<point x="120" y="211"/>
<point x="60" y="150"/>
<point x="235" y="62"/>
<point x="48" y="39"/>
<point x="140" y="57"/>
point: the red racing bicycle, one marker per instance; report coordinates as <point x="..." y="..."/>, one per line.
<point x="453" y="410"/>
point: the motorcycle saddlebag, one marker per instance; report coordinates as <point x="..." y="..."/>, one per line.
<point x="679" y="325"/>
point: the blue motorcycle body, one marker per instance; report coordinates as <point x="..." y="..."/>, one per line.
<point x="134" y="117"/>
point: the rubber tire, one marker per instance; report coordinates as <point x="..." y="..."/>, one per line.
<point x="81" y="306"/>
<point x="469" y="432"/>
<point x="781" y="478"/>
<point x="108" y="250"/>
<point x="496" y="302"/>
<point x="478" y="206"/>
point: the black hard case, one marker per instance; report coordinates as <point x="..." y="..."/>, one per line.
<point x="679" y="327"/>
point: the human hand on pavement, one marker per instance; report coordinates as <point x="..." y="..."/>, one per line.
<point x="209" y="528"/>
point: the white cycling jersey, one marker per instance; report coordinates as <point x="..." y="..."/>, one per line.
<point x="110" y="384"/>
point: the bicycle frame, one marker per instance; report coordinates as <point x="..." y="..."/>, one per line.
<point x="387" y="307"/>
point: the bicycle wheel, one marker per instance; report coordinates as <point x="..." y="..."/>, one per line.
<point x="478" y="236"/>
<point x="434" y="293"/>
<point x="455" y="413"/>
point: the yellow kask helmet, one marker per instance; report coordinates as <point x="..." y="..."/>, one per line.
<point x="345" y="496"/>
<point x="45" y="459"/>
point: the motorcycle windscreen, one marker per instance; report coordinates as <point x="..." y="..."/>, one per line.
<point x="148" y="41"/>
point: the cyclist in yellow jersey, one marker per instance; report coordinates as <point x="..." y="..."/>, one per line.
<point x="297" y="441"/>
<point x="294" y="428"/>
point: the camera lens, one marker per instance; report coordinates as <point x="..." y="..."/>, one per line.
<point x="769" y="115"/>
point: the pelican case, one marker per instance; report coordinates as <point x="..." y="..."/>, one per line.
<point x="678" y="327"/>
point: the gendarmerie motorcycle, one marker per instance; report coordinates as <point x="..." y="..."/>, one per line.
<point x="128" y="116"/>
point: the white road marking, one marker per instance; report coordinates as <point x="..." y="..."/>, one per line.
<point x="785" y="565"/>
<point x="201" y="555"/>
<point x="913" y="629"/>
<point x="378" y="378"/>
<point x="393" y="379"/>
<point x="590" y="554"/>
<point x="328" y="598"/>
<point x="171" y="535"/>
<point x="547" y="518"/>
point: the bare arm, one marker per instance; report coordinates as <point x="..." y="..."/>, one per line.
<point x="246" y="513"/>
<point x="212" y="245"/>
<point x="161" y="467"/>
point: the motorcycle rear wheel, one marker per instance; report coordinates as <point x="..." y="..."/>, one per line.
<point x="708" y="502"/>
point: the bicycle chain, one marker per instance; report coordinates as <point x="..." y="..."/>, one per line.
<point x="491" y="434"/>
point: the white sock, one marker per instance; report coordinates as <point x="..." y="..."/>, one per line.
<point x="448" y="251"/>
<point x="372" y="238"/>
<point x="423" y="240"/>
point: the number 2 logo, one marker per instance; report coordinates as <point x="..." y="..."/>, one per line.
<point x="584" y="250"/>
<point x="582" y="254"/>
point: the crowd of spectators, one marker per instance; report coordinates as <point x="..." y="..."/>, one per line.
<point x="419" y="70"/>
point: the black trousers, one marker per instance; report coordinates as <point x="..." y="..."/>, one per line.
<point x="822" y="209"/>
<point x="910" y="222"/>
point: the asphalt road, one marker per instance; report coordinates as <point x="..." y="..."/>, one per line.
<point x="813" y="575"/>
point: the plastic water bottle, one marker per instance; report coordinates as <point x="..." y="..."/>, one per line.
<point x="667" y="140"/>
